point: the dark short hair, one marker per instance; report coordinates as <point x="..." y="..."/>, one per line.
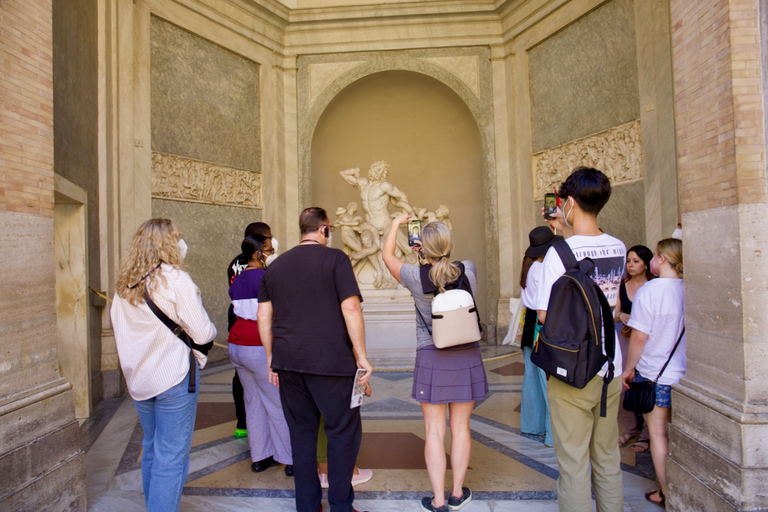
<point x="258" y="228"/>
<point x="589" y="187"/>
<point x="311" y="219"/>
<point x="251" y="245"/>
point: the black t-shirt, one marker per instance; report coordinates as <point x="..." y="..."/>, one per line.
<point x="306" y="287"/>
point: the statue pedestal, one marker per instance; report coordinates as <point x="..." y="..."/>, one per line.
<point x="390" y="327"/>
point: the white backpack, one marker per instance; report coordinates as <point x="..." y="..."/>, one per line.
<point x="455" y="320"/>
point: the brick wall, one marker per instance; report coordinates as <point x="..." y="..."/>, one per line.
<point x="26" y="107"/>
<point x="718" y="103"/>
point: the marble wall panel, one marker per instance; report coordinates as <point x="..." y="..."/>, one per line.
<point x="584" y="78"/>
<point x="213" y="234"/>
<point x="204" y="99"/>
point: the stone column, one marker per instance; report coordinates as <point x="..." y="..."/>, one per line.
<point x="719" y="432"/>
<point x="40" y="458"/>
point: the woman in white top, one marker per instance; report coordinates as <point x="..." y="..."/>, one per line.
<point x="534" y="407"/>
<point x="155" y="362"/>
<point x="657" y="322"/>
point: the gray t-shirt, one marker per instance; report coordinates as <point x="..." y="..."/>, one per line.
<point x="409" y="274"/>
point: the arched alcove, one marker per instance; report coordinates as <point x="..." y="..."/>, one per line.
<point x="430" y="139"/>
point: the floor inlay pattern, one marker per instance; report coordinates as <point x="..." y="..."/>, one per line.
<point x="506" y="464"/>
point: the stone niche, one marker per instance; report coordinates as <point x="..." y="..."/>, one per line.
<point x="206" y="153"/>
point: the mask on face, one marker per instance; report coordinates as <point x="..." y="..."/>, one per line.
<point x="274" y="245"/>
<point x="182" y="249"/>
<point x="330" y="240"/>
<point x="565" y="215"/>
<point x="677" y="233"/>
<point x="654" y="269"/>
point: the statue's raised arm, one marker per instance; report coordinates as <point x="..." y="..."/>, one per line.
<point x="351" y="176"/>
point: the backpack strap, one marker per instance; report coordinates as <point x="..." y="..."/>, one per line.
<point x="609" y="332"/>
<point x="565" y="253"/>
<point x="177" y="330"/>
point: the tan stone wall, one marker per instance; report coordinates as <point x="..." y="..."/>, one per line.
<point x="39" y="439"/>
<point x="721" y="142"/>
<point x="431" y="141"/>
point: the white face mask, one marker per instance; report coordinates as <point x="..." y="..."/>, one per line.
<point x="182" y="249"/>
<point x="565" y="215"/>
<point x="677" y="233"/>
<point x="330" y="240"/>
<point x="272" y="256"/>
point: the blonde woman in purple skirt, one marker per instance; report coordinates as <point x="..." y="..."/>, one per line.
<point x="451" y="378"/>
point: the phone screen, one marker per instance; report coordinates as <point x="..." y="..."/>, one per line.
<point x="414" y="231"/>
<point x="550" y="205"/>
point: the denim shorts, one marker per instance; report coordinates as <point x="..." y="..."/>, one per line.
<point x="663" y="392"/>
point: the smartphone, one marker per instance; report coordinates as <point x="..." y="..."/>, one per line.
<point x="414" y="232"/>
<point x="358" y="390"/>
<point x="550" y="206"/>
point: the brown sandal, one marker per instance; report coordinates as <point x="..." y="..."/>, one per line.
<point x="640" y="446"/>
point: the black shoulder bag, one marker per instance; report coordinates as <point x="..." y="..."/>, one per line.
<point x="183" y="336"/>
<point x="641" y="396"/>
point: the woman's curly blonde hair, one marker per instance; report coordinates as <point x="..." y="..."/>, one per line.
<point x="155" y="242"/>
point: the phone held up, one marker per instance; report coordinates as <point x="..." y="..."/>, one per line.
<point x="550" y="206"/>
<point x="414" y="232"/>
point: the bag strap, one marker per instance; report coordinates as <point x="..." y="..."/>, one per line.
<point x="609" y="342"/>
<point x="679" y="338"/>
<point x="565" y="253"/>
<point x="179" y="332"/>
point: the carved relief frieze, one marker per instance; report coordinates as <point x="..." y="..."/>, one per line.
<point x="616" y="151"/>
<point x="467" y="68"/>
<point x="185" y="179"/>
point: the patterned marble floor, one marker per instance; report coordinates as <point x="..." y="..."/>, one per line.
<point x="508" y="470"/>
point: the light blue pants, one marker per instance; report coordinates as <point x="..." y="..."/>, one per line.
<point x="534" y="409"/>
<point x="168" y="422"/>
<point x="268" y="434"/>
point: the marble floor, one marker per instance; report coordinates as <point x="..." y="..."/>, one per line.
<point x="508" y="470"/>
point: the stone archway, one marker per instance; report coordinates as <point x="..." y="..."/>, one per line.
<point x="465" y="71"/>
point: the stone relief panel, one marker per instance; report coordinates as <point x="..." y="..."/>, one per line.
<point x="185" y="179"/>
<point x="616" y="151"/>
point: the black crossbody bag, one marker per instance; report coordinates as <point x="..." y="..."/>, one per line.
<point x="184" y="337"/>
<point x="641" y="396"/>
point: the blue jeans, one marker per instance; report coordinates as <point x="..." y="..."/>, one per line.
<point x="168" y="421"/>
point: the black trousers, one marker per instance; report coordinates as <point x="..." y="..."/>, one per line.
<point x="305" y="397"/>
<point x="237" y="396"/>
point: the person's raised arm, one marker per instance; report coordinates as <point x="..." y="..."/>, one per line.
<point x="264" y="320"/>
<point x="390" y="242"/>
<point x="353" y="318"/>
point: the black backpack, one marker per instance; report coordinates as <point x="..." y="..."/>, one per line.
<point x="568" y="347"/>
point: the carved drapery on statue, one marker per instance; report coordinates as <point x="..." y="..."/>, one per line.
<point x="186" y="179"/>
<point x="617" y="152"/>
<point x="363" y="235"/>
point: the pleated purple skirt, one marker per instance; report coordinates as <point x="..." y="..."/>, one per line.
<point x="449" y="375"/>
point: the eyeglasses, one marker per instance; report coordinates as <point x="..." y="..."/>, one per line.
<point x="330" y="228"/>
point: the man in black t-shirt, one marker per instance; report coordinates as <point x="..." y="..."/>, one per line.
<point x="311" y="326"/>
<point x="233" y="270"/>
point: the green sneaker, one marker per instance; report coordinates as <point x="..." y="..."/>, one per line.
<point x="241" y="432"/>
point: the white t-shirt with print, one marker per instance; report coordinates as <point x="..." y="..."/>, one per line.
<point x="532" y="282"/>
<point x="658" y="310"/>
<point x="610" y="257"/>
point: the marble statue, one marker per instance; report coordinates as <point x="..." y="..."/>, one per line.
<point x="364" y="237"/>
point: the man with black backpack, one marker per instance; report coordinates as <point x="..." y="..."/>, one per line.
<point x="583" y="392"/>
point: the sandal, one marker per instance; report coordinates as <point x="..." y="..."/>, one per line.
<point x="640" y="446"/>
<point x="662" y="503"/>
<point x="626" y="437"/>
